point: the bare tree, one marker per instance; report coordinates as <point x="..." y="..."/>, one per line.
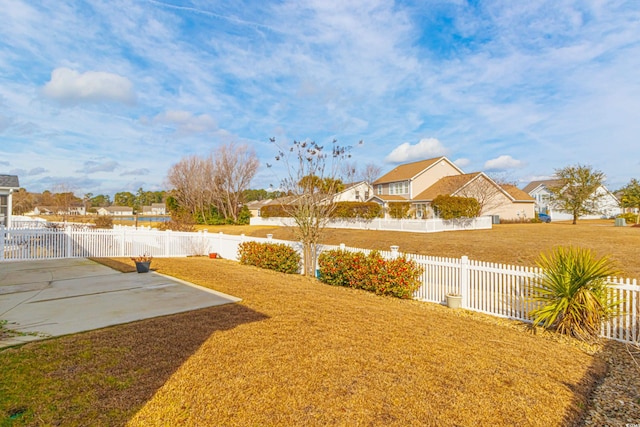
<point x="311" y="179"/>
<point x="369" y="173"/>
<point x="234" y="167"/>
<point x="192" y="180"/>
<point x="488" y="193"/>
<point x="218" y="180"/>
<point x="22" y="202"/>
<point x="64" y="199"/>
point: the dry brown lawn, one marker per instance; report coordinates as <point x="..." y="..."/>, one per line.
<point x="517" y="244"/>
<point x="298" y="352"/>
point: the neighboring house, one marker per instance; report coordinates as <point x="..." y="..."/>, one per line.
<point x="8" y="184"/>
<point x="607" y="204"/>
<point x="41" y="210"/>
<point x="116" y="211"/>
<point x="354" y="192"/>
<point x="155" y="209"/>
<point x="418" y="183"/>
<point x="255" y="206"/>
<point x="77" y="209"/>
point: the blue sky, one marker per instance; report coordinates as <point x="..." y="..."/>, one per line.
<point x="104" y="96"/>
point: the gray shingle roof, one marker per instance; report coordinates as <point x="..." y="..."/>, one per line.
<point x="9" y="181"/>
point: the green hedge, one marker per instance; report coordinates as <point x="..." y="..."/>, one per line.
<point x="450" y="207"/>
<point x="272" y="256"/>
<point x="629" y="217"/>
<point x="399" y="210"/>
<point x="397" y="277"/>
<point x="366" y="210"/>
<point x="273" y="211"/>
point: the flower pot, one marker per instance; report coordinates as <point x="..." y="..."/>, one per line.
<point x="454" y="301"/>
<point x="143" y="266"/>
<point x="213" y="255"/>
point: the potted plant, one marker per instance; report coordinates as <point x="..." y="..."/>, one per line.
<point x="143" y="263"/>
<point x="454" y="300"/>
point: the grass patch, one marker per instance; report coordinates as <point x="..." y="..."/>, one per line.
<point x="516" y="244"/>
<point x="297" y="352"/>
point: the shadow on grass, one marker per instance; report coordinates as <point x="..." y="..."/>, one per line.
<point x="107" y="375"/>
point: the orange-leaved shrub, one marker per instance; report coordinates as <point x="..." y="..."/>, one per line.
<point x="273" y="256"/>
<point x="398" y="277"/>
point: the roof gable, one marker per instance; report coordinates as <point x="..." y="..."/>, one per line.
<point x="535" y="184"/>
<point x="409" y="171"/>
<point x="447" y="186"/>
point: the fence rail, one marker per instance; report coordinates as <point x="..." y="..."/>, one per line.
<point x="411" y="225"/>
<point x="495" y="289"/>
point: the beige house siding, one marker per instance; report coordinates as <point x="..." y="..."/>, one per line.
<point x="433" y="174"/>
<point x="514" y="210"/>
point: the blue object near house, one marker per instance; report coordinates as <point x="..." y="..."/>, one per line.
<point x="544" y="217"/>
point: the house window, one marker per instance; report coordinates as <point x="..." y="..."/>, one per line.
<point x="366" y="195"/>
<point x="399" y="187"/>
<point x="379" y="189"/>
<point x="4" y="210"/>
<point x="357" y="195"/>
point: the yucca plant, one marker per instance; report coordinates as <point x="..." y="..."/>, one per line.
<point x="572" y="292"/>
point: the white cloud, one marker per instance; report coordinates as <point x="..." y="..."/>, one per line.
<point x="426" y="148"/>
<point x="462" y="162"/>
<point x="91" y="166"/>
<point x="70" y="87"/>
<point x="503" y="162"/>
<point x="37" y="171"/>
<point x="136" y="172"/>
<point x="185" y="122"/>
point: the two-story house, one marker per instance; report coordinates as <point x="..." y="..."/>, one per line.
<point x="418" y="183"/>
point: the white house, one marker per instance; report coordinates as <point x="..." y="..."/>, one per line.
<point x="354" y="192"/>
<point x="607" y="204"/>
<point x="116" y="211"/>
<point x="155" y="209"/>
<point x="8" y="184"/>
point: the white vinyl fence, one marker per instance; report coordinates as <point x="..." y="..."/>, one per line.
<point x="495" y="289"/>
<point x="412" y="225"/>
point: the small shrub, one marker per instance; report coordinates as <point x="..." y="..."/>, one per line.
<point x="180" y="221"/>
<point x="397" y="277"/>
<point x="272" y="256"/>
<point x="103" y="222"/>
<point x="629" y="217"/>
<point x="573" y="292"/>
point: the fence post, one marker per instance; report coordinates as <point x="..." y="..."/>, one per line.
<point x="67" y="233"/>
<point x="342" y="246"/>
<point x="394" y="251"/>
<point x="122" y="240"/>
<point x="269" y="237"/>
<point x="464" y="281"/>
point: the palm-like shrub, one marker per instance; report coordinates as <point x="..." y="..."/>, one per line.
<point x="573" y="292"/>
